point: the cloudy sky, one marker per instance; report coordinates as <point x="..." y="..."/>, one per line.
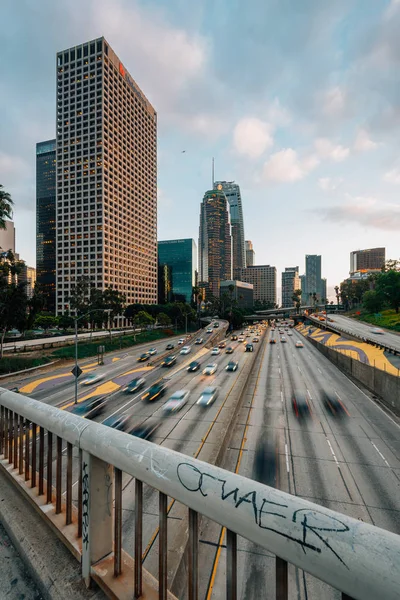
<point x="298" y="100"/>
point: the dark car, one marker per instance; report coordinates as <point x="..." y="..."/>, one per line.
<point x="232" y="365"/>
<point x="169" y="361"/>
<point x="145" y="430"/>
<point x="155" y="391"/>
<point x="135" y="385"/>
<point x="234" y="338"/>
<point x="90" y="408"/>
<point x="301" y="406"/>
<point x="169" y="347"/>
<point x="117" y="422"/>
<point x="229" y="350"/>
<point x="222" y="344"/>
<point x="194" y="366"/>
<point x="272" y="341"/>
<point x="143" y="357"/>
<point x="333" y="404"/>
<point x="249" y="348"/>
<point x="216" y="324"/>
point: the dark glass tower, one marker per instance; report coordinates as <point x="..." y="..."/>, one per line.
<point x="232" y="193"/>
<point x="215" y="241"/>
<point x="46" y="220"/>
<point x="180" y="257"/>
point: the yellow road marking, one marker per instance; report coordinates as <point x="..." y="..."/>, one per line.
<point x="105" y="388"/>
<point x="30" y="387"/>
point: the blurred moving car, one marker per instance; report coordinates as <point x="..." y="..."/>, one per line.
<point x="241" y="339"/>
<point x="229" y="350"/>
<point x="215" y="351"/>
<point x="232" y="365"/>
<point x="186" y="350"/>
<point x="208" y="395"/>
<point x="145" y="430"/>
<point x="194" y="366"/>
<point x="334" y="404"/>
<point x="143" y="357"/>
<point x="272" y="341"/>
<point x="234" y="338"/>
<point x="93" y="378"/>
<point x="155" y="391"/>
<point x="300" y="404"/>
<point x="216" y="324"/>
<point x="283" y="339"/>
<point x="266" y="463"/>
<point x="90" y="408"/>
<point x="175" y="402"/>
<point x="299" y="344"/>
<point x="168" y="361"/>
<point x="152" y="351"/>
<point x="181" y="341"/>
<point x="199" y="341"/>
<point x="209" y="330"/>
<point x="377" y="330"/>
<point x="134" y="385"/>
<point x="290" y="333"/>
<point x="210" y="369"/>
<point x="255" y="340"/>
<point x="119" y="422"/>
<point x="169" y="347"/>
<point x="249" y="348"/>
<point x="222" y="344"/>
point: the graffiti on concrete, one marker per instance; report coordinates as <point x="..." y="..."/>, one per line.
<point x="314" y="524"/>
<point x="85" y="505"/>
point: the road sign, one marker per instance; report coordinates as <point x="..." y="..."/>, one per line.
<point x="77" y="371"/>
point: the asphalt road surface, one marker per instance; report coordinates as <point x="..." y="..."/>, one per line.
<point x="348" y="461"/>
<point x="365" y="330"/>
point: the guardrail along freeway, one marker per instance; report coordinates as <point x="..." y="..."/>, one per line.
<point x="360" y="560"/>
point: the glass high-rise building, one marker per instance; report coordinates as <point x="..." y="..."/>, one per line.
<point x="232" y="193"/>
<point x="312" y="281"/>
<point x="46" y="221"/>
<point x="215" y="242"/>
<point x="180" y="256"/>
<point x="106" y="176"/>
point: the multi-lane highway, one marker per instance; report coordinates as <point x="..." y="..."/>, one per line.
<point x="62" y="338"/>
<point x="364" y="330"/>
<point x="334" y="446"/>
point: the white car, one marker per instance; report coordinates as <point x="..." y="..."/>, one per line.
<point x="208" y="396"/>
<point x="199" y="341"/>
<point x="210" y="369"/>
<point x="289" y="333"/>
<point x="209" y="330"/>
<point x="175" y="402"/>
<point x="186" y="350"/>
<point x="152" y="351"/>
<point x="241" y="339"/>
<point x="283" y="340"/>
<point x="181" y="341"/>
<point x="93" y="378"/>
<point x="377" y="330"/>
<point x="299" y="344"/>
<point x="215" y="351"/>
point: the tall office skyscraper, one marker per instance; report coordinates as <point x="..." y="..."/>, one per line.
<point x="232" y="193"/>
<point x="7" y="237"/>
<point x="46" y="221"/>
<point x="372" y="259"/>
<point x="215" y="241"/>
<point x="181" y="258"/>
<point x="250" y="254"/>
<point x="263" y="279"/>
<point x="106" y="176"/>
<point x="312" y="281"/>
<point x="290" y="283"/>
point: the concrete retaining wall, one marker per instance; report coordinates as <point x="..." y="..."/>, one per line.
<point x="384" y="385"/>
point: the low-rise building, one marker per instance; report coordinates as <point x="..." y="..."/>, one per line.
<point x="239" y="291"/>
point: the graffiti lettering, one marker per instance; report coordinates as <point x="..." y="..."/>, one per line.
<point x="313" y="523"/>
<point x="85" y="505"/>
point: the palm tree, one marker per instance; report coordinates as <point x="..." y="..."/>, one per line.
<point x="337" y="294"/>
<point x="6" y="204"/>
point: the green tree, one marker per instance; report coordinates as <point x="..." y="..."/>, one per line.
<point x="6" y="205"/>
<point x="79" y="298"/>
<point x="36" y="304"/>
<point x="13" y="298"/>
<point x="65" y="321"/>
<point x="143" y="319"/>
<point x="296" y="298"/>
<point x="163" y="319"/>
<point x="46" y="321"/>
<point x="388" y="284"/>
<point x="373" y="301"/>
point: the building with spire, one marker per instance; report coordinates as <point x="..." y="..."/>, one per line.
<point x="232" y="193"/>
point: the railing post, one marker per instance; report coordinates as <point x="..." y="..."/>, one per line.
<point x="138" y="536"/>
<point x="281" y="578"/>
<point x="1" y="428"/>
<point x="97" y="507"/>
<point x="193" y="555"/>
<point x="231" y="565"/>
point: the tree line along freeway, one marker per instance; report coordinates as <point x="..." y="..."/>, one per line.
<point x="342" y="454"/>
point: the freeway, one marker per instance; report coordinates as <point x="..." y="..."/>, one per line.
<point x="344" y="455"/>
<point x="62" y="338"/>
<point x="364" y="330"/>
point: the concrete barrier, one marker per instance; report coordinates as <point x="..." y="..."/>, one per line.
<point x="384" y="385"/>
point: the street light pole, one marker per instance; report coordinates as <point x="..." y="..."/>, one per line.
<point x="76" y="360"/>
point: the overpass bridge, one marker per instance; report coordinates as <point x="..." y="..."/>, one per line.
<point x="360" y="560"/>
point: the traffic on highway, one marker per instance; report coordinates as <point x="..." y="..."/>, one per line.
<point x="280" y="413"/>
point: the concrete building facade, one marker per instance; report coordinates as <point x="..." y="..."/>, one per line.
<point x="7" y="237"/>
<point x="106" y="177"/>
<point x="371" y="259"/>
<point x="242" y="292"/>
<point x="290" y="283"/>
<point x="263" y="280"/>
<point x="250" y="254"/>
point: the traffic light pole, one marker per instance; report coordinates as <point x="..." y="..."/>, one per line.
<point x="76" y="361"/>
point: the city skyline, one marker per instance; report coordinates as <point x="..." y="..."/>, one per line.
<point x="299" y="150"/>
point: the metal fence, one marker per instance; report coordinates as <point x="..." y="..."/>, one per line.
<point x="360" y="560"/>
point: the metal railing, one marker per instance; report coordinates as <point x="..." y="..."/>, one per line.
<point x="360" y="560"/>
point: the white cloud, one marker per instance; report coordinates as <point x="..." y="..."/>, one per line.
<point x="365" y="211"/>
<point x="251" y="137"/>
<point x="326" y="184"/>
<point x="278" y="115"/>
<point x="363" y="142"/>
<point x="327" y="150"/>
<point x="285" y="165"/>
<point x="393" y="176"/>
<point x="333" y="102"/>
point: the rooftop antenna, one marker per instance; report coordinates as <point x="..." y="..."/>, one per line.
<point x="212" y="173"/>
